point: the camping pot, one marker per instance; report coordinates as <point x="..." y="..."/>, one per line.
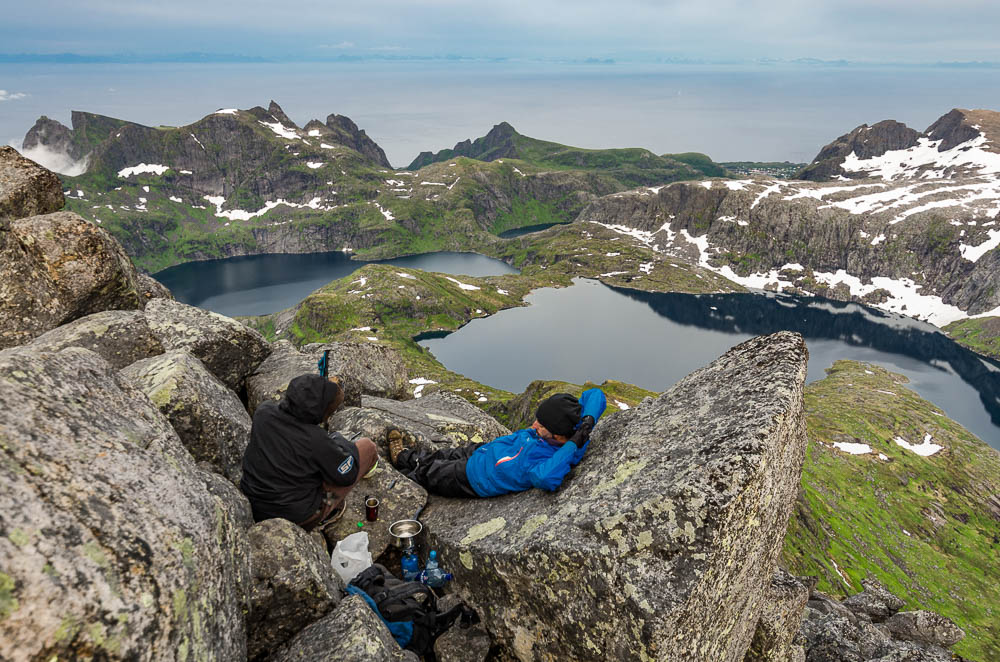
<point x="405" y="532"/>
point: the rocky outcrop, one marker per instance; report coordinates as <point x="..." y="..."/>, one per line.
<point x="293" y="585"/>
<point x="952" y="129"/>
<point x="774" y="639"/>
<point x="864" y="142"/>
<point x="208" y="417"/>
<point x="351" y="632"/>
<point x="875" y="603"/>
<point x="866" y="627"/>
<point x="924" y="627"/>
<point x="499" y="143"/>
<point x="662" y="542"/>
<point x="112" y="546"/>
<point x="460" y="644"/>
<point x="120" y="337"/>
<point x="150" y="288"/>
<point x="57" y="268"/>
<point x="363" y="368"/>
<point x="230" y="350"/>
<point x="89" y="130"/>
<point x="436" y="420"/>
<point x="26" y="188"/>
<point x="346" y="132"/>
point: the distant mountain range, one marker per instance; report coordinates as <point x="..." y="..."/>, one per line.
<point x="910" y="221"/>
<point x="884" y="215"/>
<point x="252" y="181"/>
<point x="631" y="166"/>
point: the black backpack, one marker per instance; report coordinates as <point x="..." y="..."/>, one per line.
<point x="400" y="601"/>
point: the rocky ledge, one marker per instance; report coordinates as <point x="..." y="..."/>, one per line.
<point x="123" y="535"/>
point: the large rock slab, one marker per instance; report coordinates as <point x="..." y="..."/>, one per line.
<point x="230" y="350"/>
<point x="438" y="420"/>
<point x="773" y="641"/>
<point x="844" y="632"/>
<point x="351" y="632"/>
<point x="458" y="644"/>
<point x="293" y="585"/>
<point x="662" y="542"/>
<point x="26" y="188"/>
<point x="924" y="627"/>
<point x="121" y="337"/>
<point x="112" y="546"/>
<point x="875" y="602"/>
<point x="363" y="368"/>
<point x="208" y="417"/>
<point x="57" y="268"/>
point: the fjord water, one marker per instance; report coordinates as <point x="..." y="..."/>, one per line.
<point x="764" y="111"/>
<point x="262" y="284"/>
<point x="593" y="332"/>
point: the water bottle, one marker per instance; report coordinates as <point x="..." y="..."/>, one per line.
<point x="433" y="575"/>
<point x="410" y="565"/>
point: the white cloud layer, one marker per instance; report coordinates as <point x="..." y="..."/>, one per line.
<point x="11" y="96"/>
<point x="54" y="161"/>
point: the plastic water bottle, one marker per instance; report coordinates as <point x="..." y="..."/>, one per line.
<point x="410" y="565"/>
<point x="433" y="575"/>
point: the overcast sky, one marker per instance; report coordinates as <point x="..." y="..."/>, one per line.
<point x="856" y="30"/>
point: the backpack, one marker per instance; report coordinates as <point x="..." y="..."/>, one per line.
<point x="409" y="609"/>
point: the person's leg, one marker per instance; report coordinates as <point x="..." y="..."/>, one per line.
<point x="446" y="478"/>
<point x="441" y="472"/>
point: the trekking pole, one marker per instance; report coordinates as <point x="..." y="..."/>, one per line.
<point x="323" y="363"/>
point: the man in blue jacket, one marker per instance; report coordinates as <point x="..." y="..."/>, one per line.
<point x="539" y="456"/>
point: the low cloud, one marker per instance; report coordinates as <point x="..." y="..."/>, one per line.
<point x="341" y="45"/>
<point x="11" y="96"/>
<point x="55" y="161"/>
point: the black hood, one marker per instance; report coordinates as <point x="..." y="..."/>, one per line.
<point x="308" y="396"/>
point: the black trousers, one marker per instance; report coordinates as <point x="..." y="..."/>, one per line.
<point x="441" y="472"/>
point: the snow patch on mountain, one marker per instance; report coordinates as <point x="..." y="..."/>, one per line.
<point x="142" y="169"/>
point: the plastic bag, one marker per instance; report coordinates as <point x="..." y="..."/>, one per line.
<point x="351" y="556"/>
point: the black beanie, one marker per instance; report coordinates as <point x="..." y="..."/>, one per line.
<point x="559" y="413"/>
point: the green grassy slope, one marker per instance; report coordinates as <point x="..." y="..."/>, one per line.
<point x="927" y="527"/>
<point x="631" y="167"/>
<point x="980" y="335"/>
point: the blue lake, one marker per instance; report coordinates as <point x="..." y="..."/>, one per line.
<point x="262" y="284"/>
<point x="593" y="332"/>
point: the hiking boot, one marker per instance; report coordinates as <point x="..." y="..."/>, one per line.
<point x="335" y="514"/>
<point x="398" y="441"/>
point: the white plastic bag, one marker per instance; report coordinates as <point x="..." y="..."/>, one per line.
<point x="351" y="556"/>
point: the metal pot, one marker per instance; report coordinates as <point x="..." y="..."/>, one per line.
<point x="405" y="532"/>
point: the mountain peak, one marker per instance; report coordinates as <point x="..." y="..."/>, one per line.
<point x="868" y="143"/>
<point x="499" y="143"/>
<point x="275" y="110"/>
<point x="960" y="125"/>
<point x="502" y="129"/>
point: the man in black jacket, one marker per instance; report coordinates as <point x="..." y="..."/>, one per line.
<point x="292" y="468"/>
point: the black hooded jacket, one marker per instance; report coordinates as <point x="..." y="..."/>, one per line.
<point x="290" y="457"/>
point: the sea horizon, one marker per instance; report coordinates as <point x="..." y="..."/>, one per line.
<point x="732" y="112"/>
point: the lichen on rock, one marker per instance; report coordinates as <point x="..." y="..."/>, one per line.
<point x="662" y="542"/>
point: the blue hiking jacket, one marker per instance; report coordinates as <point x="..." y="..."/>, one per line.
<point x="520" y="461"/>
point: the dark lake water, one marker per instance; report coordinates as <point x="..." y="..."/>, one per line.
<point x="593" y="332"/>
<point x="528" y="229"/>
<point x="262" y="284"/>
